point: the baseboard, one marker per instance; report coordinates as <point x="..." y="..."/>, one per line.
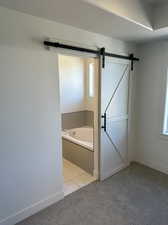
<point x="108" y="174"/>
<point x="152" y="165"/>
<point x="29" y="211"/>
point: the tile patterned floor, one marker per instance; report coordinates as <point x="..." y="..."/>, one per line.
<point x="74" y="177"/>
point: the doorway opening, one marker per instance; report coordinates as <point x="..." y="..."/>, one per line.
<point x="79" y="119"/>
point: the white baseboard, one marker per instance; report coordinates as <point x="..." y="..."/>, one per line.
<point x="26" y="212"/>
<point x="153" y="165"/>
<point x="30" y="210"/>
<point x="108" y="174"/>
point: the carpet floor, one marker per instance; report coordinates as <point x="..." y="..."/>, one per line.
<point x="135" y="196"/>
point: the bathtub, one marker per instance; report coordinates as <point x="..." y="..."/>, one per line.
<point x="77" y="146"/>
<point x="82" y="136"/>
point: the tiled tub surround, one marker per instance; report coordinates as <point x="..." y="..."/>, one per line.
<point x="77" y="119"/>
<point x="78" y="147"/>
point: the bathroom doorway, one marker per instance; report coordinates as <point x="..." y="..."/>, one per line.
<point x="79" y="78"/>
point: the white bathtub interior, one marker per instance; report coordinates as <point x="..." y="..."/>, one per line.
<point x="82" y="136"/>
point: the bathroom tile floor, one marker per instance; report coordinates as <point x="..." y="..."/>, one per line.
<point x="74" y="177"/>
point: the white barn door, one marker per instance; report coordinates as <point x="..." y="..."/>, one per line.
<point x="114" y="112"/>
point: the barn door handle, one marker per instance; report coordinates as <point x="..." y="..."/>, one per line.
<point x="104" y="123"/>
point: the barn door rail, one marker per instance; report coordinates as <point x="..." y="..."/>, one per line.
<point x="99" y="52"/>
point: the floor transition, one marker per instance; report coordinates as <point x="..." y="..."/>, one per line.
<point x="135" y="196"/>
<point x="74" y="177"/>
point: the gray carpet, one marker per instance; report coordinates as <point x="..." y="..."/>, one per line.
<point x="136" y="196"/>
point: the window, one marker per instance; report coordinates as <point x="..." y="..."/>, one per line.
<point x="165" y="124"/>
<point x="91" y="80"/>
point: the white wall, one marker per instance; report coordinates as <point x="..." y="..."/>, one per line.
<point x="152" y="147"/>
<point x="91" y="102"/>
<point x="30" y="154"/>
<point x="29" y="143"/>
<point x="72" y="83"/>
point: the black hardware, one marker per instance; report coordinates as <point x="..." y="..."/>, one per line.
<point x="97" y="52"/>
<point x="132" y="61"/>
<point x="102" y="53"/>
<point x="70" y="47"/>
<point x="104" y="123"/>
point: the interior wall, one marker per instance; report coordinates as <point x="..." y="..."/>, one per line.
<point x="30" y="165"/>
<point x="151" y="145"/>
<point x="72" y="83"/>
<point x="91" y="102"/>
<point x="30" y="153"/>
<point x="77" y="106"/>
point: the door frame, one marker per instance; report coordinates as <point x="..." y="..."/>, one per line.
<point x="82" y="55"/>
